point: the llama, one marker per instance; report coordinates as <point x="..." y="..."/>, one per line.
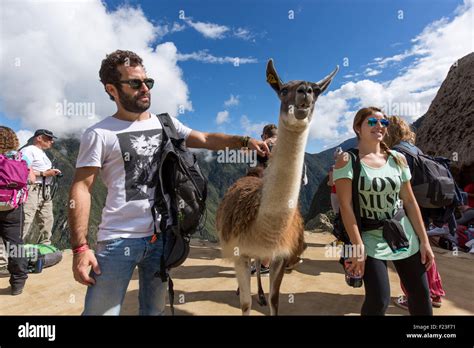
<point x="259" y="217"/>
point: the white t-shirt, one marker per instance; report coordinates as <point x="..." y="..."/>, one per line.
<point x="124" y="152"/>
<point x="39" y="161"/>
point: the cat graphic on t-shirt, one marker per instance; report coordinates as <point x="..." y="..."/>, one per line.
<point x="138" y="149"/>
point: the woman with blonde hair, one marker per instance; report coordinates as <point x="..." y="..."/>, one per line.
<point x="11" y="219"/>
<point x="400" y="136"/>
<point x="384" y="195"/>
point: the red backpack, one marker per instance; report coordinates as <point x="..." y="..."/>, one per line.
<point x="13" y="181"/>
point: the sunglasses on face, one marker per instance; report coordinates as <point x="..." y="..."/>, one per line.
<point x="372" y="121"/>
<point x="137" y="83"/>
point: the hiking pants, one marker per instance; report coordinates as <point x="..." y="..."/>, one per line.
<point x="377" y="286"/>
<point x="11" y="222"/>
<point x="39" y="211"/>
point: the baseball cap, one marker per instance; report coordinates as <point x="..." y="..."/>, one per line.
<point x="45" y="132"/>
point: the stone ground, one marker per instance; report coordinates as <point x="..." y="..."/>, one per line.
<point x="206" y="285"/>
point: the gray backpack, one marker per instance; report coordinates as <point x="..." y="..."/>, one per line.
<point x="432" y="182"/>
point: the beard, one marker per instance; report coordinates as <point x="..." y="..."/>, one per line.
<point x="133" y="103"/>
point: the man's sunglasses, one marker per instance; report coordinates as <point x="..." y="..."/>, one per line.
<point x="372" y="121"/>
<point x="137" y="83"/>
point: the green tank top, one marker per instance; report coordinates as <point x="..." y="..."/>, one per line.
<point x="379" y="190"/>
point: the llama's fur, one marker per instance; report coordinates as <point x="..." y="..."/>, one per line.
<point x="237" y="215"/>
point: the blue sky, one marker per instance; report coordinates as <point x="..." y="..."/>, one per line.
<point x="320" y="35"/>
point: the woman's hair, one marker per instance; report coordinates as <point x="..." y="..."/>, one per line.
<point x="361" y="116"/>
<point x="399" y="130"/>
<point x="8" y="140"/>
<point x="269" y="131"/>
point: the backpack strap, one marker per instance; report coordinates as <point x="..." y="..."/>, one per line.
<point x="168" y="125"/>
<point x="406" y="150"/>
<point x="356" y="168"/>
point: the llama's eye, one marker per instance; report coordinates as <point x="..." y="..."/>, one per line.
<point x="284" y="91"/>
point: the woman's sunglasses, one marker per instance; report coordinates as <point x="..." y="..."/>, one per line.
<point x="137" y="83"/>
<point x="372" y="121"/>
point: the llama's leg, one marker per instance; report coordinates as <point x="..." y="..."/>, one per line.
<point x="261" y="295"/>
<point x="277" y="271"/>
<point x="242" y="271"/>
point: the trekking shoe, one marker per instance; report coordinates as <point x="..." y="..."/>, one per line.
<point x="17" y="289"/>
<point x="264" y="270"/>
<point x="4" y="272"/>
<point x="401" y="302"/>
<point x="436" y="301"/>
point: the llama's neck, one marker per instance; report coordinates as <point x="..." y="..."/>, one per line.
<point x="282" y="181"/>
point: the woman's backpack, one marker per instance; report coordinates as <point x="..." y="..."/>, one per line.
<point x="13" y="181"/>
<point x="432" y="182"/>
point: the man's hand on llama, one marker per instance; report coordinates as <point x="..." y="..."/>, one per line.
<point x="260" y="146"/>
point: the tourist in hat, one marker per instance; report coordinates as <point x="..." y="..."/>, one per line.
<point x="39" y="207"/>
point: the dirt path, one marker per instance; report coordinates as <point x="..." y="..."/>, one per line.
<point x="205" y="285"/>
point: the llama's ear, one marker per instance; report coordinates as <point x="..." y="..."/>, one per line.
<point x="324" y="83"/>
<point x="272" y="77"/>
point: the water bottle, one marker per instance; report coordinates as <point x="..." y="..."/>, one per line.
<point x="352" y="280"/>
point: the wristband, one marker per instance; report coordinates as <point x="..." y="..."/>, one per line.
<point x="245" y="141"/>
<point x="80" y="249"/>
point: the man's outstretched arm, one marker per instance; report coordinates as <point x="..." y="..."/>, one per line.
<point x="219" y="141"/>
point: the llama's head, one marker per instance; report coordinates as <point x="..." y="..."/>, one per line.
<point x="297" y="97"/>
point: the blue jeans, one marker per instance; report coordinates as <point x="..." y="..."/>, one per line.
<point x="117" y="260"/>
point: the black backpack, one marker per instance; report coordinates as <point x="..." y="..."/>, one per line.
<point x="180" y="196"/>
<point x="432" y="182"/>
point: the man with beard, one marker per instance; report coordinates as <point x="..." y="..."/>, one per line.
<point x="120" y="148"/>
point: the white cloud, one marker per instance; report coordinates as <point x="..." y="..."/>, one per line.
<point x="205" y="57"/>
<point x="222" y="117"/>
<point x="371" y="72"/>
<point x="166" y="29"/>
<point x="209" y="156"/>
<point x="434" y="51"/>
<point x="243" y="34"/>
<point x="209" y="30"/>
<point x="383" y="62"/>
<point x="23" y="136"/>
<point x="232" y="101"/>
<point x="252" y="129"/>
<point x="51" y="54"/>
<point x="218" y="31"/>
